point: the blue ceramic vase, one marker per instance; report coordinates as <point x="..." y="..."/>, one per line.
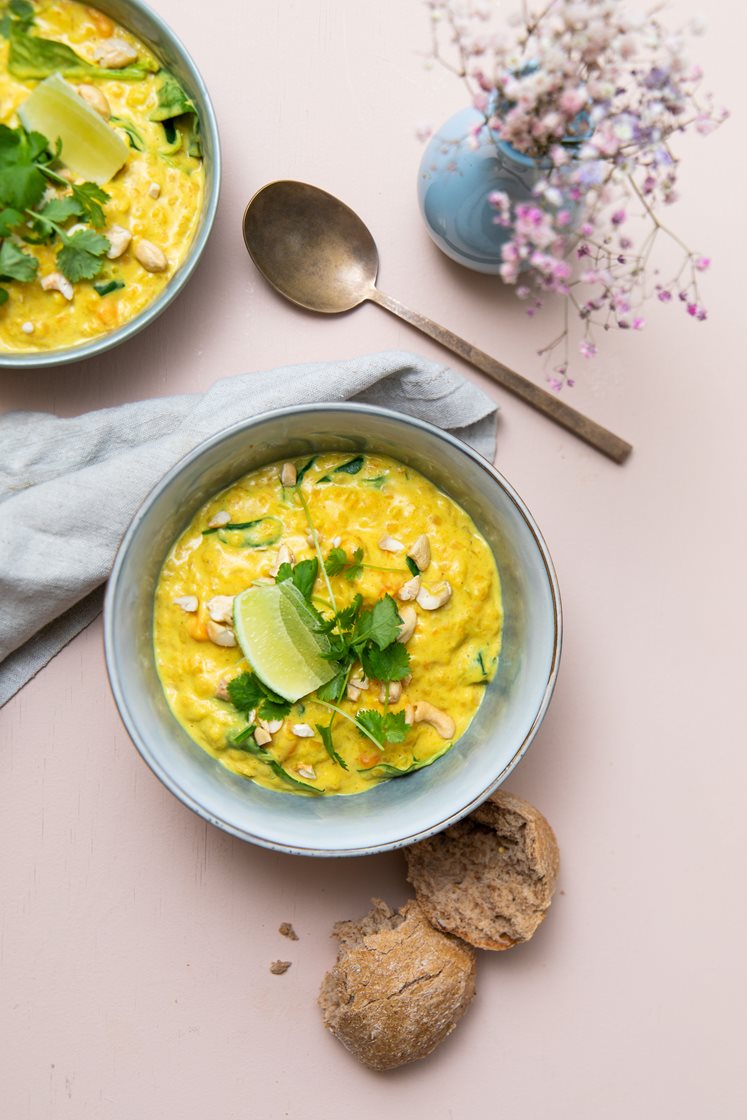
<point x="455" y="178"/>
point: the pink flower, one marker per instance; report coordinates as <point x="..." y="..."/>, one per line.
<point x="702" y="263"/>
<point x="664" y="296"/>
<point x="692" y="309"/>
<point x="587" y="348"/>
<point x="639" y="323"/>
<point x="618" y="217"/>
<point x="572" y="101"/>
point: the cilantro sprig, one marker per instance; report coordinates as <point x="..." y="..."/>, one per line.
<point x="248" y="693"/>
<point x="26" y="216"/>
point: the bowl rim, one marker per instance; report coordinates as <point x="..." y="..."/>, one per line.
<point x="42" y="359"/>
<point x="342" y="407"/>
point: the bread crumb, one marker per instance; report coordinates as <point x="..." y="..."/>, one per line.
<point x="288" y="931"/>
<point x="277" y="968"/>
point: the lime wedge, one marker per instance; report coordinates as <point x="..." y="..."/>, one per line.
<point x="273" y="626"/>
<point x="89" y="147"/>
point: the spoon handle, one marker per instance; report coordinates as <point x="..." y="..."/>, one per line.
<point x="547" y="403"/>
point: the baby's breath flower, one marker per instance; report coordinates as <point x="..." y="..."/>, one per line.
<point x="596" y="96"/>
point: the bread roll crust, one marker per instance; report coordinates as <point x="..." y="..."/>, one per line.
<point x="399" y="987"/>
<point x="490" y="878"/>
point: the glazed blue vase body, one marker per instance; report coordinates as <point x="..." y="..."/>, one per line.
<point x="454" y="182"/>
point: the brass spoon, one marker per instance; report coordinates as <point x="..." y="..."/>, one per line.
<point x="318" y="253"/>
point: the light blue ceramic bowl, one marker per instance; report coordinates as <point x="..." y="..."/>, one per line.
<point x="397" y="812"/>
<point x="150" y="28"/>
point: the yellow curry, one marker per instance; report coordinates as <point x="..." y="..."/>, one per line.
<point x="101" y="258"/>
<point x="406" y="594"/>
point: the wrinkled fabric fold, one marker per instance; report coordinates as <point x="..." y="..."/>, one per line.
<point x="70" y="487"/>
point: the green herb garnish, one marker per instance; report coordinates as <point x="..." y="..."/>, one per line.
<point x="106" y="287"/>
<point x="248" y="693"/>
<point x="385" y="727"/>
<point x="32" y="57"/>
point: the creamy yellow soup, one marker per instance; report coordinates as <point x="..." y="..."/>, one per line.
<point x="373" y="511"/>
<point x="155" y="197"/>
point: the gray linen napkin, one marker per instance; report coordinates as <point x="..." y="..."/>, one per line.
<point x="69" y="488"/>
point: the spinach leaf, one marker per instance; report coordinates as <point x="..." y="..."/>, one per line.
<point x="134" y="139"/>
<point x="414" y="569"/>
<point x="32" y="57"/>
<point x="106" y="287"/>
<point x="172" y="99"/>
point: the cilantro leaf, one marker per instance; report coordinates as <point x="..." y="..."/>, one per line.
<point x="304" y="576"/>
<point x="390" y="664"/>
<point x="347" y="616"/>
<point x="21" y="184"/>
<point x="15" y="264"/>
<point x="274" y="709"/>
<point x="89" y="197"/>
<point x="61" y="209"/>
<point x="381" y="624"/>
<point x="245" y="691"/>
<point x="248" y="692"/>
<point x="80" y="258"/>
<point x="337" y="561"/>
<point x="284" y="572"/>
<point x="325" y="730"/>
<point x="334" y="690"/>
<point x="9" y="218"/>
<point x="4" y="297"/>
<point x="386" y="728"/>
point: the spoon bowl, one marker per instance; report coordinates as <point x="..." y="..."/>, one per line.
<point x="317" y="252"/>
<point x="311" y="247"/>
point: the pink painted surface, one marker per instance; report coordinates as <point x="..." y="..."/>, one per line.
<point x="136" y="940"/>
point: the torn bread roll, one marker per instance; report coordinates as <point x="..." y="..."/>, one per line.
<point x="399" y="987"/>
<point x="490" y="878"/>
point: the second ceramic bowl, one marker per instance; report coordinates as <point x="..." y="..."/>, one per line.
<point x="393" y="813"/>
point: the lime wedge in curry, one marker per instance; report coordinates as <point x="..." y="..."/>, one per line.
<point x="273" y="626"/>
<point x="90" y="147"/>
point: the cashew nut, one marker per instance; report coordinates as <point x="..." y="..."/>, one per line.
<point x="288" y="474"/>
<point x="271" y="725"/>
<point x="56" y="282"/>
<point x="221" y="692"/>
<point x="395" y="691"/>
<point x="188" y="603"/>
<point x="421" y="552"/>
<point x="96" y="99"/>
<point x="113" y="54"/>
<point x="353" y="692"/>
<point x="119" y="238"/>
<point x="409" y="618"/>
<point x="220" y="635"/>
<point x="409" y="714"/>
<point x="154" y="190"/>
<point x="390" y="544"/>
<point x="262" y="737"/>
<point x="220" y="519"/>
<point x="284" y="556"/>
<point x="438" y="720"/>
<point x="432" y="600"/>
<point x="150" y="256"/>
<point x="220" y="608"/>
<point x="302" y="731"/>
<point x="359" y="680"/>
<point x="409" y="590"/>
<point x="306" y="772"/>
